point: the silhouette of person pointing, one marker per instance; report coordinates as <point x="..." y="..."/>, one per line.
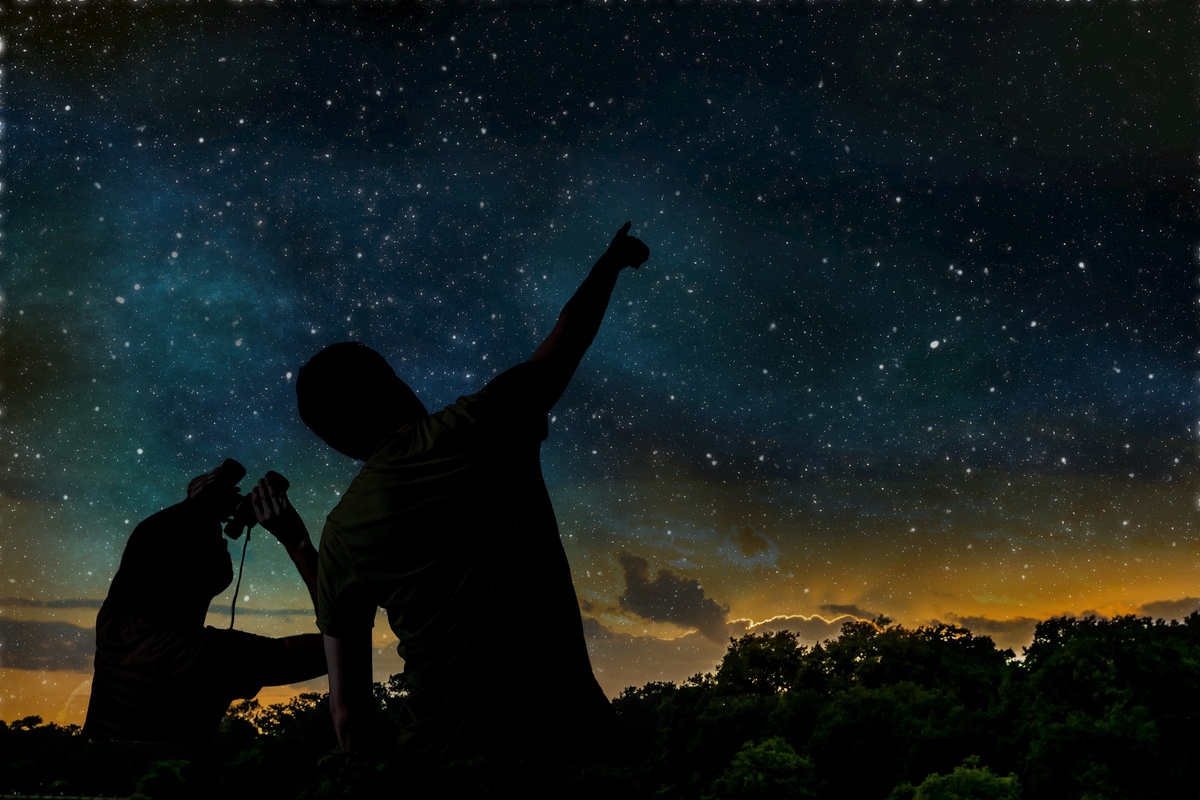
<point x="449" y="527"/>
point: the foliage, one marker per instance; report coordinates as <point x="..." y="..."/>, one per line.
<point x="760" y="664"/>
<point x="766" y="770"/>
<point x="27" y="746"/>
<point x="969" y="781"/>
<point x="1108" y="708"/>
<point x="1096" y="709"/>
<point x="172" y="779"/>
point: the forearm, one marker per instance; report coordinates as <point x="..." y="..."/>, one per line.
<point x="350" y="701"/>
<point x="354" y="725"/>
<point x="343" y="724"/>
<point x="304" y="556"/>
<point x="301" y="658"/>
<point x="557" y="357"/>
<point x="580" y="320"/>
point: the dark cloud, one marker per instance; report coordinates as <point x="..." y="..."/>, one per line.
<point x="1170" y="609"/>
<point x="27" y="602"/>
<point x="851" y="610"/>
<point x="28" y="644"/>
<point x="745" y="546"/>
<point x="988" y="626"/>
<point x="670" y="598"/>
<point x="1014" y="633"/>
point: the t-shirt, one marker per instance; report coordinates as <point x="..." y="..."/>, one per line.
<point x="449" y="527"/>
<point x="160" y="674"/>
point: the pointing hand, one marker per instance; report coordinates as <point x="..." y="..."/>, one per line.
<point x="626" y="250"/>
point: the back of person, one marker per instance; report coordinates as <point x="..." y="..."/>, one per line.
<point x="449" y="527"/>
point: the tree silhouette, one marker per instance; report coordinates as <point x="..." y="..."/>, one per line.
<point x="1100" y="701"/>
<point x="968" y="781"/>
<point x="1096" y="708"/>
<point x="766" y="770"/>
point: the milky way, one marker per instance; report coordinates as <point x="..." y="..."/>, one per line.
<point x="915" y="337"/>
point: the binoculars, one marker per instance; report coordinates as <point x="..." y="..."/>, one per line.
<point x="243" y="518"/>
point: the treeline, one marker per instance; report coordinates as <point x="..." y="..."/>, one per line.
<point x="1097" y="709"/>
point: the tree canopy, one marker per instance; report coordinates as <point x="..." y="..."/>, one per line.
<point x="1095" y="708"/>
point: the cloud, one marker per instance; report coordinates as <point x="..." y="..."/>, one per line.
<point x="809" y="630"/>
<point x="622" y="659"/>
<point x="665" y="533"/>
<point x="1170" y="609"/>
<point x="1014" y="633"/>
<point x="263" y="612"/>
<point x="848" y="610"/>
<point x="747" y="547"/>
<point x="27" y="602"/>
<point x="987" y="625"/>
<point x="670" y="598"/>
<point x="27" y="644"/>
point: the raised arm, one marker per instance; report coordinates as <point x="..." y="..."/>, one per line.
<point x="303" y="656"/>
<point x="559" y="355"/>
<point x="276" y="513"/>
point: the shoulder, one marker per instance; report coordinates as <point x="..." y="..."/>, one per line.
<point x="506" y="403"/>
<point x="174" y="524"/>
<point x="171" y="515"/>
<point x="498" y="410"/>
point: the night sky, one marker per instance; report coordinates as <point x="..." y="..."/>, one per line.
<point x="916" y="337"/>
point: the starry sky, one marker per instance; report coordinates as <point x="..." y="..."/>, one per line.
<point x="916" y="338"/>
